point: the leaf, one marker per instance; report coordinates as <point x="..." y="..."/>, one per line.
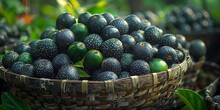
<point x="192" y="99"/>
<point x="79" y="64"/>
<point x="82" y="73"/>
<point x="13" y="102"/>
<point x="101" y="3"/>
<point x="75" y="4"/>
<point x="3" y="107"/>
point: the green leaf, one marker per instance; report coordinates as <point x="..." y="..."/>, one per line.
<point x="79" y="64"/>
<point x="3" y="107"/>
<point x="82" y="73"/>
<point x="192" y="99"/>
<point x="13" y="102"/>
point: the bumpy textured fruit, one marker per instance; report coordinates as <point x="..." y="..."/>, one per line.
<point x="128" y="42"/>
<point x="68" y="72"/>
<point x="112" y="48"/>
<point x="134" y="22"/>
<point x="65" y="20"/>
<point x="47" y="49"/>
<point x="76" y="51"/>
<point x="27" y="69"/>
<point x="145" y="24"/>
<point x="84" y="17"/>
<point x="108" y="16"/>
<point x="93" y="59"/>
<point x="153" y="35"/>
<point x="16" y="67"/>
<point x="43" y="68"/>
<point x="123" y="74"/>
<point x="60" y="60"/>
<point x="23" y="47"/>
<point x="25" y="57"/>
<point x="106" y="75"/>
<point x="9" y="59"/>
<point x="110" y="32"/>
<point x="80" y="31"/>
<point x="111" y="64"/>
<point x="168" y="40"/>
<point x="96" y="23"/>
<point x="34" y="51"/>
<point x="168" y="54"/>
<point x="93" y="41"/>
<point x="121" y="25"/>
<point x="137" y="36"/>
<point x="197" y="49"/>
<point x="158" y="65"/>
<point x="139" y="67"/>
<point x="64" y="38"/>
<point x="143" y="51"/>
<point x="126" y="60"/>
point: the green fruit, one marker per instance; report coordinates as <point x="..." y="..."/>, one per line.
<point x="25" y="57"/>
<point x="80" y="31"/>
<point x="158" y="65"/>
<point x="65" y="20"/>
<point x="76" y="51"/>
<point x="93" y="59"/>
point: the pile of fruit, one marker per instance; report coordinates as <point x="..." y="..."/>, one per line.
<point x="101" y="45"/>
<point x="11" y="34"/>
<point x="188" y="19"/>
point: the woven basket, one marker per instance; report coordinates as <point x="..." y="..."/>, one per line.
<point x="153" y="90"/>
<point x="210" y="92"/>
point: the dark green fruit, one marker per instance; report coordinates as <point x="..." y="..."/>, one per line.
<point x="27" y="69"/>
<point x="158" y="65"/>
<point x="110" y="32"/>
<point x="121" y="25"/>
<point x="168" y="54"/>
<point x="9" y="59"/>
<point x="123" y="74"/>
<point x="128" y="42"/>
<point x="112" y="48"/>
<point x="137" y="36"/>
<point x="68" y="72"/>
<point x="84" y="17"/>
<point x="180" y="55"/>
<point x="43" y="68"/>
<point x="16" y="67"/>
<point x="65" y="20"/>
<point x="47" y="49"/>
<point x="2" y="40"/>
<point x="64" y="38"/>
<point x="145" y="24"/>
<point x="217" y="99"/>
<point x="197" y="49"/>
<point x="23" y="47"/>
<point x="60" y="60"/>
<point x="76" y="51"/>
<point x="96" y="23"/>
<point x="168" y="40"/>
<point x="185" y="28"/>
<point x="93" y="60"/>
<point x="181" y="39"/>
<point x="153" y="35"/>
<point x="103" y="76"/>
<point x="108" y="16"/>
<point x="143" y="51"/>
<point x="80" y="31"/>
<point x="134" y="22"/>
<point x="93" y="41"/>
<point x="126" y="60"/>
<point x="34" y="50"/>
<point x="139" y="67"/>
<point x="111" y="64"/>
<point x="47" y="33"/>
<point x="25" y="57"/>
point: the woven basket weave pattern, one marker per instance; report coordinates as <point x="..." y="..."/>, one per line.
<point x="147" y="91"/>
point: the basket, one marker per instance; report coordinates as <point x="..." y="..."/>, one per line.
<point x="210" y="92"/>
<point x="153" y="90"/>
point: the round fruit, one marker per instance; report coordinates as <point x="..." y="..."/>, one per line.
<point x="108" y="16"/>
<point x="43" y="68"/>
<point x="16" y="67"/>
<point x="180" y="55"/>
<point x="93" y="41"/>
<point x="123" y="74"/>
<point x="68" y="72"/>
<point x="25" y="57"/>
<point x="126" y="60"/>
<point x="168" y="40"/>
<point x="128" y="42"/>
<point x="80" y="31"/>
<point x="153" y="35"/>
<point x="111" y="64"/>
<point x="158" y="65"/>
<point x="121" y="25"/>
<point x="93" y="59"/>
<point x="60" y="60"/>
<point x="143" y="51"/>
<point x="168" y="54"/>
<point x="2" y="40"/>
<point x="84" y="17"/>
<point x="197" y="49"/>
<point x="96" y="23"/>
<point x="181" y="39"/>
<point x="64" y="38"/>
<point x="103" y="76"/>
<point x="34" y="51"/>
<point x="137" y="36"/>
<point x="145" y="24"/>
<point x="46" y="33"/>
<point x="76" y="51"/>
<point x="27" y="69"/>
<point x="134" y="22"/>
<point x="23" y="47"/>
<point x="139" y="67"/>
<point x="110" y="32"/>
<point x="65" y="20"/>
<point x="9" y="59"/>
